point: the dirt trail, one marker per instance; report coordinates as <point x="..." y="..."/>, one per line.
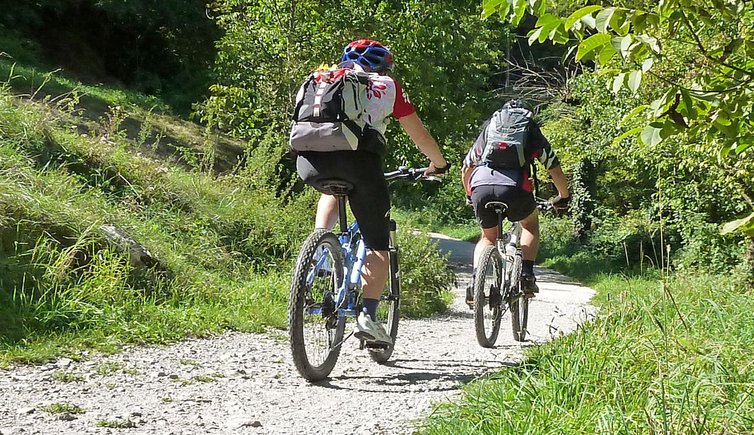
<point x="246" y="383"/>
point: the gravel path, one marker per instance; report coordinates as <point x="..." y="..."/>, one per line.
<point x="246" y="383"/>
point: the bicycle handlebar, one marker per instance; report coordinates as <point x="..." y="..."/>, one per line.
<point x="543" y="205"/>
<point x="404" y="172"/>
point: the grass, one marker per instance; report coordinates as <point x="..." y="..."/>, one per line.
<point x="222" y="246"/>
<point x="62" y="407"/>
<point x="116" y="424"/>
<point x="63" y="376"/>
<point x="665" y="355"/>
<point x="108" y="368"/>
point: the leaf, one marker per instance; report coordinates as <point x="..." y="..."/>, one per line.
<point x="603" y="19"/>
<point x="546" y="19"/>
<point x="519" y="10"/>
<point x="651" y="41"/>
<point x="634" y="80"/>
<point x="618" y="82"/>
<point x="625" y="45"/>
<point x="632" y="114"/>
<point x="653" y="134"/>
<point x="686" y="106"/>
<point x="647" y="64"/>
<point x="591" y="43"/>
<point x="607" y="53"/>
<point x="579" y="14"/>
<point x="534" y="35"/>
<point x="744" y="224"/>
<point x="743" y="147"/>
<point x="629" y="133"/>
<point x="489" y="7"/>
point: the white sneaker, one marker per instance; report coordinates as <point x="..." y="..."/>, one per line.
<point x="368" y="330"/>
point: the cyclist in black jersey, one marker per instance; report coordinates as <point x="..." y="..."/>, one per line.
<point x="484" y="182"/>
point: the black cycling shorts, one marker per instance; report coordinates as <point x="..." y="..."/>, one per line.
<point x="520" y="203"/>
<point x="369" y="199"/>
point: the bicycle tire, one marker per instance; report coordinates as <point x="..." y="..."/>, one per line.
<point x="518" y="303"/>
<point x="308" y="306"/>
<point x="389" y="311"/>
<point x="488" y="297"/>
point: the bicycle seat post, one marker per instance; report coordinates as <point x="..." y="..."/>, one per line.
<point x="342" y="218"/>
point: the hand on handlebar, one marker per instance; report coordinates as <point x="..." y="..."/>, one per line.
<point x="560" y="204"/>
<point x="433" y="170"/>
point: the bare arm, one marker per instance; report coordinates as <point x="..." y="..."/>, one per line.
<point x="560" y="180"/>
<point x="423" y="140"/>
<point x="466" y="172"/>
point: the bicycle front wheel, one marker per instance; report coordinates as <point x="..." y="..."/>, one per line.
<point x="488" y="297"/>
<point x="315" y="328"/>
<point x="388" y="312"/>
<point x="518" y="302"/>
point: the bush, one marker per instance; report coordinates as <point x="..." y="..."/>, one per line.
<point x="426" y="280"/>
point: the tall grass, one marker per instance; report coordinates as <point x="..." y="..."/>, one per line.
<point x="223" y="244"/>
<point x="667" y="356"/>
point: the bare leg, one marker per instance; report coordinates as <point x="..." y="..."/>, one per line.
<point x="488" y="238"/>
<point x="374" y="273"/>
<point x="530" y="236"/>
<point x="327" y="212"/>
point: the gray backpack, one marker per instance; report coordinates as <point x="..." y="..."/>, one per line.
<point x="506" y="134"/>
<point x="329" y="113"/>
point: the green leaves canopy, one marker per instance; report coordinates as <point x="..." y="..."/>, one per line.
<point x="699" y="56"/>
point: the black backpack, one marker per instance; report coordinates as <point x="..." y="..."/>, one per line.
<point x="329" y="112"/>
<point x="507" y="133"/>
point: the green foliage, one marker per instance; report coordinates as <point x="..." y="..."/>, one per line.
<point x="155" y="46"/>
<point x="442" y="55"/>
<point x="697" y="59"/>
<point x="62" y="407"/>
<point x="426" y="280"/>
<point x="648" y="364"/>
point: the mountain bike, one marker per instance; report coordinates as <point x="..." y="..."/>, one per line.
<point x="497" y="285"/>
<point x="326" y="288"/>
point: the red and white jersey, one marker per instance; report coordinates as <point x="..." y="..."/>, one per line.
<point x="385" y="97"/>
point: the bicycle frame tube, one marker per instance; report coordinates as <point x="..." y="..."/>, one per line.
<point x="353" y="257"/>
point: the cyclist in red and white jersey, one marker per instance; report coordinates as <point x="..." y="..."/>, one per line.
<point x="363" y="168"/>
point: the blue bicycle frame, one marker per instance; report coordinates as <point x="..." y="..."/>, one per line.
<point x="353" y="259"/>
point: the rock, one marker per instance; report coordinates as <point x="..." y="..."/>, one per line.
<point x="67" y="416"/>
<point x="239" y="422"/>
<point x="23" y="411"/>
<point x="173" y="376"/>
<point x="63" y="363"/>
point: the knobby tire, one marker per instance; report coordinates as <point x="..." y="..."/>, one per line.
<point x="305" y="297"/>
<point x="518" y="303"/>
<point x="488" y="281"/>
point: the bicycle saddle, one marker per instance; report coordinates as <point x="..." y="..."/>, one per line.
<point x="497" y="206"/>
<point x="334" y="186"/>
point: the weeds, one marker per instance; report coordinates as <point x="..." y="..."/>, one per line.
<point x="62" y="407"/>
<point x="63" y="376"/>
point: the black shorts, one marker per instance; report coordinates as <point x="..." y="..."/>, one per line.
<point x="520" y="203"/>
<point x="369" y="199"/>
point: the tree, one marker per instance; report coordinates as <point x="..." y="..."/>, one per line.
<point x="698" y="56"/>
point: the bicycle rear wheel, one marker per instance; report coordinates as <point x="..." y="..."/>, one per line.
<point x="388" y="313"/>
<point x="316" y="330"/>
<point x="518" y="302"/>
<point x="488" y="297"/>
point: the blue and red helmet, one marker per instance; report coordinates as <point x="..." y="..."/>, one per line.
<point x="371" y="55"/>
